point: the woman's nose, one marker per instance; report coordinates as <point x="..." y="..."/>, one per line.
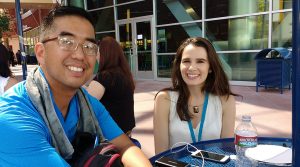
<point x="192" y="67"/>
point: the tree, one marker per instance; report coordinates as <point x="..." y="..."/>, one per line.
<point x="4" y="23"/>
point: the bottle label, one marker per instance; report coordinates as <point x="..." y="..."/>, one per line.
<point x="245" y="142"/>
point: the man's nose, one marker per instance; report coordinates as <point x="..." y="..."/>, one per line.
<point x="78" y="51"/>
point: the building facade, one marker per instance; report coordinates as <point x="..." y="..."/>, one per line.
<point x="32" y="12"/>
<point x="150" y="31"/>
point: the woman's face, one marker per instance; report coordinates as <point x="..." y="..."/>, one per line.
<point x="194" y="65"/>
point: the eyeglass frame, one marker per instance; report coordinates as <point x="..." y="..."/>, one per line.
<point x="75" y="42"/>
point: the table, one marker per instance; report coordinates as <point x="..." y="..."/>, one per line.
<point x="222" y="146"/>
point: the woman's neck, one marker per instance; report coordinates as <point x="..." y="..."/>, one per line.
<point x="196" y="98"/>
<point x="195" y="91"/>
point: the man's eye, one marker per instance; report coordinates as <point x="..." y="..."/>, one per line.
<point x="90" y="46"/>
<point x="66" y="41"/>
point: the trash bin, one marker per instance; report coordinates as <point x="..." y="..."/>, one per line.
<point x="273" y="68"/>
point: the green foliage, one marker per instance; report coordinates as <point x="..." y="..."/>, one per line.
<point x="4" y="24"/>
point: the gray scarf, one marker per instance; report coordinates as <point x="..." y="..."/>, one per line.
<point x="39" y="93"/>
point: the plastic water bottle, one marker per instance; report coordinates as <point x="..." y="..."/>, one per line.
<point x="245" y="137"/>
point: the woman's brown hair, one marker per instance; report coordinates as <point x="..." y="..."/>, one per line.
<point x="4" y="63"/>
<point x="216" y="82"/>
<point x="112" y="60"/>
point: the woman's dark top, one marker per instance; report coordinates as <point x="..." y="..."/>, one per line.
<point x="118" y="99"/>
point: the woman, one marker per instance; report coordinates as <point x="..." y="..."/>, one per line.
<point x="200" y="105"/>
<point x="114" y="84"/>
<point x="7" y="80"/>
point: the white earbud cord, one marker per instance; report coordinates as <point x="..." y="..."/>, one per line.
<point x="187" y="148"/>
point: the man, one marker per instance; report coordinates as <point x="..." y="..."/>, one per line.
<point x="40" y="116"/>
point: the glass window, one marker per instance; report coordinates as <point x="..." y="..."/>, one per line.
<point x="104" y="19"/>
<point x="102" y="35"/>
<point x="164" y="65"/>
<point x="239" y="34"/>
<point x="282" y="4"/>
<point x="142" y="8"/>
<point x="143" y="35"/>
<point x="178" y="11"/>
<point x="222" y="8"/>
<point x="124" y="1"/>
<point x="125" y="35"/>
<point x="239" y="66"/>
<point x="282" y="30"/>
<point x="76" y="3"/>
<point x="93" y="4"/>
<point x="169" y="38"/>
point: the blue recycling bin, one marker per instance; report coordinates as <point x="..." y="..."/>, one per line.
<point x="273" y="68"/>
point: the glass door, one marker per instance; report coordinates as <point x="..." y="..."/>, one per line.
<point x="135" y="37"/>
<point x="144" y="49"/>
<point x="125" y="39"/>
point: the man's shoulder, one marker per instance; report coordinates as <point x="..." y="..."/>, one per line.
<point x="18" y="113"/>
<point x="18" y="91"/>
<point x="16" y="101"/>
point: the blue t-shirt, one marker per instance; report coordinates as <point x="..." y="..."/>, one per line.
<point x="24" y="136"/>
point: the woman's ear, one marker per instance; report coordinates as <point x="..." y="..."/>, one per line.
<point x="209" y="71"/>
<point x="39" y="50"/>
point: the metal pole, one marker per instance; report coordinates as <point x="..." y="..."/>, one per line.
<point x="296" y="84"/>
<point x="21" y="39"/>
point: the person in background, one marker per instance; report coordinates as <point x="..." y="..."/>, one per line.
<point x="7" y="79"/>
<point x="18" y="55"/>
<point x="40" y="117"/>
<point x="114" y="84"/>
<point x="11" y="56"/>
<point x="199" y="105"/>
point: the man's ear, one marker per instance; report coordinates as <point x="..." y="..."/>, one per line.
<point x="40" y="52"/>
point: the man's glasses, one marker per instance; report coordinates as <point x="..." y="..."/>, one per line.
<point x="69" y="44"/>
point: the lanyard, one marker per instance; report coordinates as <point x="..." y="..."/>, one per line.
<point x="201" y="123"/>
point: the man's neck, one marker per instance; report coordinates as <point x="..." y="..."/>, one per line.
<point x="62" y="99"/>
<point x="62" y="94"/>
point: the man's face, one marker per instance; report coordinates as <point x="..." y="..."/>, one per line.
<point x="65" y="69"/>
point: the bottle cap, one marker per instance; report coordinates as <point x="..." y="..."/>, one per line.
<point x="246" y="118"/>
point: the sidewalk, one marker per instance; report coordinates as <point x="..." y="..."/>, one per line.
<point x="270" y="110"/>
<point x="18" y="73"/>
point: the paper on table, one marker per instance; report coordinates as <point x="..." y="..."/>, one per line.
<point x="271" y="154"/>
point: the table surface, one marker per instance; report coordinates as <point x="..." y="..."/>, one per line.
<point x="222" y="146"/>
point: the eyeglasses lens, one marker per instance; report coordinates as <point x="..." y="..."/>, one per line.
<point x="69" y="44"/>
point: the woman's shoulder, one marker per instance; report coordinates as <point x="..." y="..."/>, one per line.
<point x="167" y="94"/>
<point x="162" y="95"/>
<point x="3" y="79"/>
<point x="11" y="81"/>
<point x="8" y="82"/>
<point x="227" y="100"/>
<point x="168" y="97"/>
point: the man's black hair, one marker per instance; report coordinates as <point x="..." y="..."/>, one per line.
<point x="61" y="11"/>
